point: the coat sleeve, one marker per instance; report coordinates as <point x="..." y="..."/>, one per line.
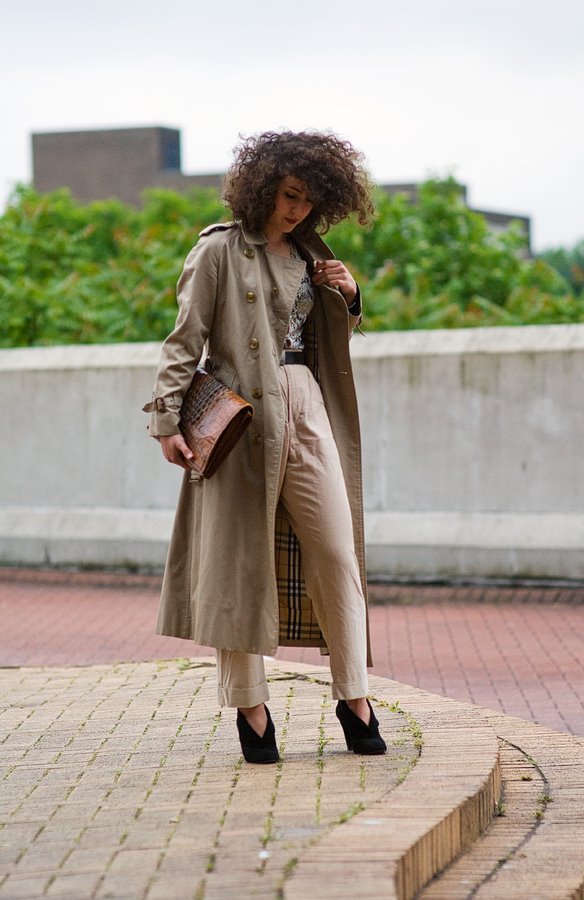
<point x="183" y="348"/>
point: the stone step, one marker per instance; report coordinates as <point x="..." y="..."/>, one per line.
<point x="515" y="832"/>
<point x="535" y="848"/>
<point x="399" y="842"/>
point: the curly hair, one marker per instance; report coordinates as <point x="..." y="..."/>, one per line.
<point x="333" y="171"/>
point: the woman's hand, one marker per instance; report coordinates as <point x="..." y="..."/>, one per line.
<point x="175" y="450"/>
<point x="335" y="274"/>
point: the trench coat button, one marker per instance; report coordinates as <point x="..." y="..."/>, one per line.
<point x="256" y="438"/>
<point x="275" y="291"/>
<point x="254" y="344"/>
<point x="250" y="297"/>
<point x="256" y="393"/>
<point x="249" y="253"/>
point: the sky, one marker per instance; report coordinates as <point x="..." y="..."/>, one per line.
<point x="491" y="92"/>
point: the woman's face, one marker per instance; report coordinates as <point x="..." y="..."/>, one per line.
<point x="291" y="206"/>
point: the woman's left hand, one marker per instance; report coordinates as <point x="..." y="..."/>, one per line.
<point x="335" y="274"/>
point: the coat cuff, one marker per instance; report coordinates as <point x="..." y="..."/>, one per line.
<point x="164" y="415"/>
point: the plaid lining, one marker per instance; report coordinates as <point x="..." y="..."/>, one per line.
<point x="298" y="623"/>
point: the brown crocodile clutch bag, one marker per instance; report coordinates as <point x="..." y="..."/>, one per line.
<point x="212" y="420"/>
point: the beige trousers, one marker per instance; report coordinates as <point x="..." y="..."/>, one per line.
<point x="312" y="490"/>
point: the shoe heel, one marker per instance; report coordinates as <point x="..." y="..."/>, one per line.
<point x="348" y="738"/>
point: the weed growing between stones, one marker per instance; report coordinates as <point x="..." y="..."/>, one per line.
<point x="268" y="833"/>
<point x="412" y="729"/>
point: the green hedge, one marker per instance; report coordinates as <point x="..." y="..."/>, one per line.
<point x="107" y="272"/>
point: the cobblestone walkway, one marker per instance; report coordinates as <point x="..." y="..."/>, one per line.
<point x="126" y="781"/>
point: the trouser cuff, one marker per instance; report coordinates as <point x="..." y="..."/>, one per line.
<point x="243" y="697"/>
<point x="350" y="690"/>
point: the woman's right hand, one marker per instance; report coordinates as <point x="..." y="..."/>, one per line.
<point x="175" y="450"/>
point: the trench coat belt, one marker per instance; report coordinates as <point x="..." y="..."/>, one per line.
<point x="292" y="358"/>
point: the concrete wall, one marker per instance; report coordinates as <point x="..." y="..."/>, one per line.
<point x="473" y="444"/>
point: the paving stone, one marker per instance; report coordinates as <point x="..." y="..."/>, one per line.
<point x="92" y="859"/>
<point x="25" y="887"/>
<point x="73" y="886"/>
<point x="135" y="861"/>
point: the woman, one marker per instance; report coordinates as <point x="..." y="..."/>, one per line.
<point x="270" y="551"/>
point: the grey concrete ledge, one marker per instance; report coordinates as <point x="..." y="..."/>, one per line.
<point x="86" y="537"/>
<point x="456" y="341"/>
<point x="78" y="523"/>
<point x="399" y="529"/>
<point x="397" y="544"/>
<point x="80" y="356"/>
<point x="486" y="530"/>
<point x="439" y="342"/>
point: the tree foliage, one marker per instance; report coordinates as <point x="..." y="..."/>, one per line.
<point x="107" y="272"/>
<point x="569" y="262"/>
<point x="98" y="273"/>
<point x="434" y="263"/>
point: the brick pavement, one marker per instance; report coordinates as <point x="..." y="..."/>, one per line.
<point x="518" y="650"/>
<point x="126" y="781"/>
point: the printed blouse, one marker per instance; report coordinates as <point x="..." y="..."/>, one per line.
<point x="303" y="303"/>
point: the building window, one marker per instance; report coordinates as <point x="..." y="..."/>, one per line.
<point x="171" y="150"/>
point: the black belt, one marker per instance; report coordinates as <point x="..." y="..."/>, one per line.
<point x="292" y="358"/>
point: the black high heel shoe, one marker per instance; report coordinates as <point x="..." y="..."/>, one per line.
<point x="257" y="749"/>
<point x="360" y="738"/>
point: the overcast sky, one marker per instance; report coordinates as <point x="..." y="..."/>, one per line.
<point x="490" y="91"/>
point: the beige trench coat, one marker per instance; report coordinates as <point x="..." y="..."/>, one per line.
<point x="233" y="576"/>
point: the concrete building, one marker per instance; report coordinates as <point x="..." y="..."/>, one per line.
<point x="122" y="162"/>
<point x="118" y="162"/>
